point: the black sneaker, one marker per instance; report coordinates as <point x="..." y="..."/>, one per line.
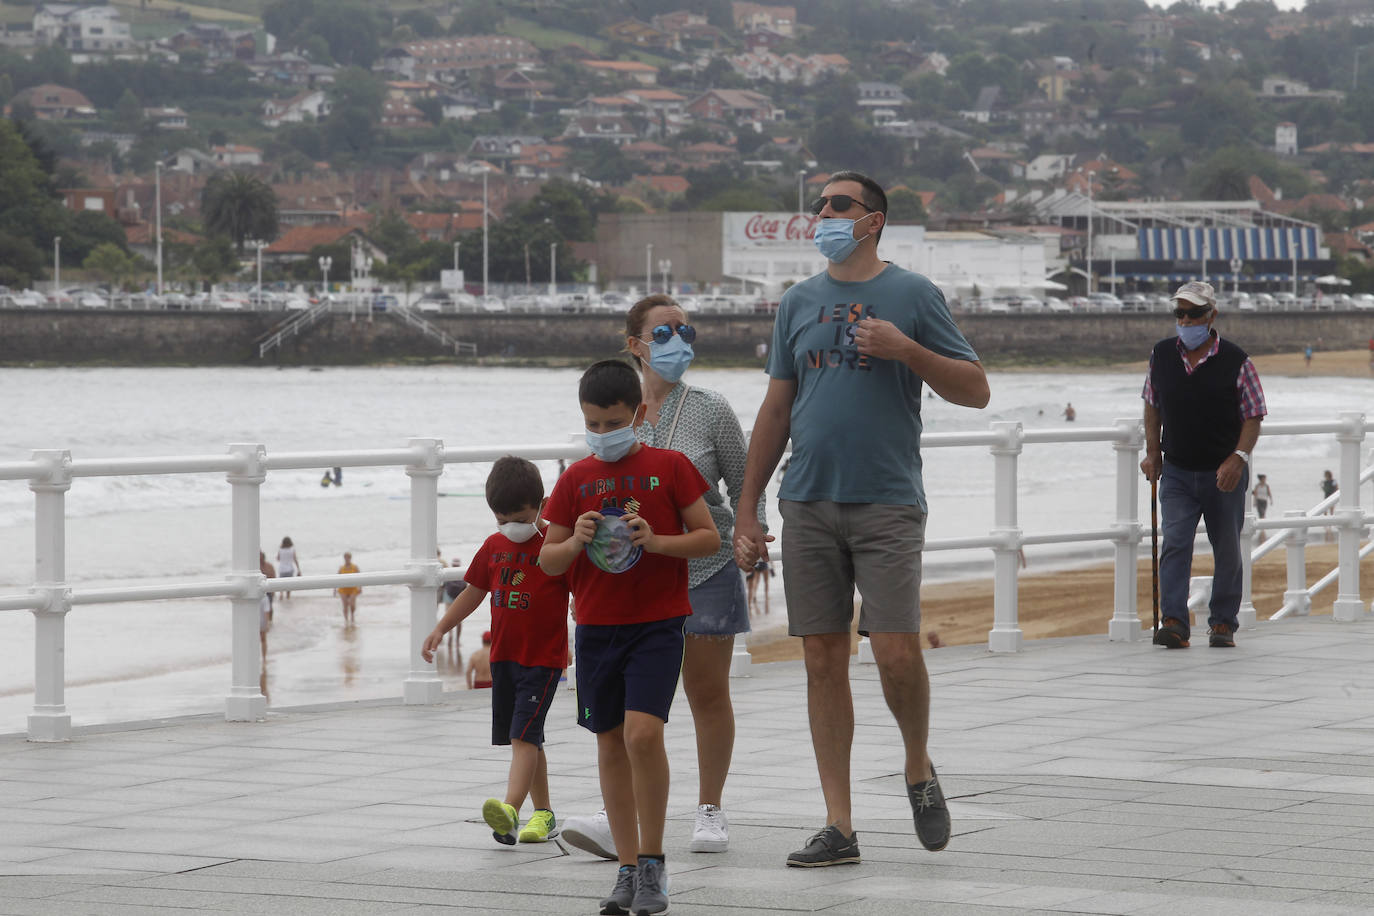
<point x="622" y="895"/>
<point x="1172" y="635"/>
<point x="651" y="887"/>
<point x="828" y="847"/>
<point x="930" y="812"/>
<point x="1221" y="636"/>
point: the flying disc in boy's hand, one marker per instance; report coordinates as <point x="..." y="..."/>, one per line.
<point x="611" y="547"/>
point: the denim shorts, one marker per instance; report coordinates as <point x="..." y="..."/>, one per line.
<point x="719" y="605"/>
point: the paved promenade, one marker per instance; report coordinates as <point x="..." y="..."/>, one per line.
<point x="1084" y="777"/>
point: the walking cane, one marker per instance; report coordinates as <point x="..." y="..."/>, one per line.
<point x="1154" y="548"/>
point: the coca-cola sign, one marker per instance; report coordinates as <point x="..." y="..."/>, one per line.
<point x="769" y="230"/>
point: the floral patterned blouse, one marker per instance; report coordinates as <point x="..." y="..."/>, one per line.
<point x="709" y="434"/>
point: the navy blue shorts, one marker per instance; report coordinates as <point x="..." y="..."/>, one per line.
<point x="520" y="698"/>
<point x="627" y="666"/>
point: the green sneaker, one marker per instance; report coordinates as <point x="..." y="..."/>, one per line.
<point x="538" y="827"/>
<point x="502" y="819"/>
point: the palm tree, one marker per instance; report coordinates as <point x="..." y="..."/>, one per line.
<point x="240" y="206"/>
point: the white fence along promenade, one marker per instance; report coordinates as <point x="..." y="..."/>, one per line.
<point x="51" y="473"/>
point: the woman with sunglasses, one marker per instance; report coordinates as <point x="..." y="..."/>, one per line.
<point x="702" y="425"/>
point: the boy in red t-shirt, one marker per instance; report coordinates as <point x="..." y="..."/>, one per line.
<point x="622" y="525"/>
<point x="529" y="643"/>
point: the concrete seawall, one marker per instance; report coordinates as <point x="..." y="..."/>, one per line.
<point x="230" y="338"/>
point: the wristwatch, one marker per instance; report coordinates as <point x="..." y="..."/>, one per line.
<point x="1244" y="456"/>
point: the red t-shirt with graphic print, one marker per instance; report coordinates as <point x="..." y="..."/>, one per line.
<point x="663" y="483"/>
<point x="529" y="609"/>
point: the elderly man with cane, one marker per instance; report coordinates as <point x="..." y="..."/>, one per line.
<point x="1203" y="408"/>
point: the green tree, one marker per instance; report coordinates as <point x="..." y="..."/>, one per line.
<point x="392" y="234"/>
<point x="564" y="205"/>
<point x="128" y="112"/>
<point x="213" y="259"/>
<point x="422" y="23"/>
<point x="905" y="204"/>
<point x="239" y="206"/>
<point x="482" y="17"/>
<point x="111" y="264"/>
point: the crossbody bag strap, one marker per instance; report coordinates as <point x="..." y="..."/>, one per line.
<point x="676" y="414"/>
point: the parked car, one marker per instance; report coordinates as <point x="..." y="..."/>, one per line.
<point x="1103" y="302"/>
<point x="28" y="299"/>
<point x="431" y="304"/>
<point x="1362" y="301"/>
<point x="296" y="303"/>
<point x="1030" y="304"/>
<point x="573" y="302"/>
<point x="614" y="302"/>
<point x="1135" y="302"/>
<point x="491" y="304"/>
<point x="384" y="302"/>
<point x="1286" y="301"/>
<point x="232" y="302"/>
<point x="1055" y="304"/>
<point x="90" y="299"/>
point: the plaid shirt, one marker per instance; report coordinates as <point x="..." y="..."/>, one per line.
<point x="1247" y="381"/>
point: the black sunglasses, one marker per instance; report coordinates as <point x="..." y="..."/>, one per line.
<point x="1199" y="311"/>
<point x="840" y="203"/>
<point x="664" y="333"/>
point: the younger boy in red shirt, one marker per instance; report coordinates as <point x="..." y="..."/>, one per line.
<point x="529" y="643"/>
<point x="622" y="524"/>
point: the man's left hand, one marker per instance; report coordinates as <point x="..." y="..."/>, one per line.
<point x="883" y="339"/>
<point x="1229" y="474"/>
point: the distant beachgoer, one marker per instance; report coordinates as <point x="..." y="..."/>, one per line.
<point x="761" y="350"/>
<point x="479" y="665"/>
<point x="452" y="590"/>
<point x="1069" y="413"/>
<point x="287" y="564"/>
<point x="1262" y="495"/>
<point x="348" y="595"/>
<point x="1307" y="355"/>
<point x="439" y="593"/>
<point x="265" y="604"/>
<point x="1329" y="488"/>
<point x="762" y="572"/>
<point x="338" y="477"/>
<point x="1203" y="410"/>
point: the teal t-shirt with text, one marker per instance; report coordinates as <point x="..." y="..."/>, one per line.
<point x="856" y="420"/>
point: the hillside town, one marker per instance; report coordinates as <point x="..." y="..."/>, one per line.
<point x="482" y="144"/>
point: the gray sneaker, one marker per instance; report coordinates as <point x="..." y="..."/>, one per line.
<point x="930" y="812"/>
<point x="827" y="847"/>
<point x="651" y="888"/>
<point x="622" y="895"/>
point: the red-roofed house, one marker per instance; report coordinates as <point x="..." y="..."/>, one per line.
<point x="298" y="241"/>
<point x="643" y="74"/>
<point x="51" y="102"/>
<point x="737" y="106"/>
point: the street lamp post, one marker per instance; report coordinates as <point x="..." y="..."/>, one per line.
<point x="326" y="262"/>
<point x="553" y="268"/>
<point x="649" y="269"/>
<point x="664" y="267"/>
<point x="259" y="244"/>
<point x="484" y="234"/>
<point x="528" y="287"/>
<point x="157" y="208"/>
<point x="801" y="190"/>
<point x="1090" y="230"/>
<point x="455" y="256"/>
<point x="56" y="269"/>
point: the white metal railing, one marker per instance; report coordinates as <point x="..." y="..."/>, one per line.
<point x="291" y="327"/>
<point x="407" y="314"/>
<point x="50" y="474"/>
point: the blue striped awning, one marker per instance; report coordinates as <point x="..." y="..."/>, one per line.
<point x="1223" y="244"/>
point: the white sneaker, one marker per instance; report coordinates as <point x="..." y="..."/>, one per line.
<point x="712" y="832"/>
<point x="590" y="834"/>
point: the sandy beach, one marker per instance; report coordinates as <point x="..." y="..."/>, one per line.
<point x="1078" y="602"/>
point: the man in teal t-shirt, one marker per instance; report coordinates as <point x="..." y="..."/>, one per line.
<point x="851" y="350"/>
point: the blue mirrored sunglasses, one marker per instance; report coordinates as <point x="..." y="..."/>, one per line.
<point x="664" y="333"/>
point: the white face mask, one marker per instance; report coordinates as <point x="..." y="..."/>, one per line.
<point x="519" y="532"/>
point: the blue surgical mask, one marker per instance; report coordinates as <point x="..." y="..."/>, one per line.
<point x="670" y="359"/>
<point x="519" y="532"/>
<point x="835" y="237"/>
<point x="612" y="446"/>
<point x="1193" y="335"/>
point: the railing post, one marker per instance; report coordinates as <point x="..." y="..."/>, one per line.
<point x="423" y="685"/>
<point x="50" y="720"/>
<point x="245" y="702"/>
<point x="1296" y="595"/>
<point x="1348" y="605"/>
<point x="1006" y="633"/>
<point x="1125" y="623"/>
<point x="1246" y="615"/>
